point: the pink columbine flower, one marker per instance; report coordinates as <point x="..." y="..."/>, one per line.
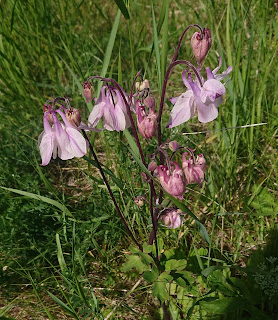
<point x="62" y="138"/>
<point x="146" y="118"/>
<point x="201" y="44"/>
<point x="194" y="169"/>
<point x="172" y="218"/>
<point x="111" y="107"/>
<point x="205" y="98"/>
<point x="172" y="180"/>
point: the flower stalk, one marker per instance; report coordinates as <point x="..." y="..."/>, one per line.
<point x="110" y="191"/>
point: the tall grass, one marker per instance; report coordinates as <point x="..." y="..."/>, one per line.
<point x="48" y="48"/>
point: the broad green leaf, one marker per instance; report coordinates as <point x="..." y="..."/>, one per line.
<point x="160" y="291"/>
<point x="151" y="276"/>
<point x="134" y="262"/>
<point x="223" y="306"/>
<point x="183" y="278"/>
<point x="174" y="264"/>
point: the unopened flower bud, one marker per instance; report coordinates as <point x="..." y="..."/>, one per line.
<point x="201" y="44"/>
<point x="152" y="166"/>
<point x="173" y="146"/>
<point x="88" y="91"/>
<point x="172" y="218"/>
<point x="73" y="116"/>
<point x="139" y="201"/>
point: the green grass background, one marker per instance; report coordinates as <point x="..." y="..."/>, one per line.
<point x="47" y="48"/>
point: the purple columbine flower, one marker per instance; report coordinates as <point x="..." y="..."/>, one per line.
<point x="111" y="107"/>
<point x="205" y="98"/>
<point x="146" y="118"/>
<point x="62" y="138"/>
<point x="194" y="169"/>
<point x="172" y="218"/>
<point x="172" y="180"/>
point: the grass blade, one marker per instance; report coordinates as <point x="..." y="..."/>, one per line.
<point x="55" y="203"/>
<point x="109" y="49"/>
<point x="121" y="5"/>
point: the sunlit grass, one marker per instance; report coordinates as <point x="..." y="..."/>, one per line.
<point x="47" y="48"/>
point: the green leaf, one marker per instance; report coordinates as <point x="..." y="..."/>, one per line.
<point x="132" y="144"/>
<point x="60" y="255"/>
<point x="151" y="276"/>
<point x="147" y="248"/>
<point x="160" y="291"/>
<point x="63" y="306"/>
<point x="41" y="198"/>
<point x="134" y="262"/>
<point x="121" y="5"/>
<point x="183" y="278"/>
<point x="156" y="49"/>
<point x="174" y="264"/>
<point x="109" y="49"/>
<point x="223" y="306"/>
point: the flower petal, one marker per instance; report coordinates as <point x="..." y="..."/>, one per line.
<point x="212" y="89"/>
<point x="46" y="148"/>
<point x="183" y="110"/>
<point x="77" y="143"/>
<point x="96" y="114"/>
<point x="206" y="112"/>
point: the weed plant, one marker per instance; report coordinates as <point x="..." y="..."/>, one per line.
<point x="65" y="255"/>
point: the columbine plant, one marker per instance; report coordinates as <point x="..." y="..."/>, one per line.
<point x="168" y="172"/>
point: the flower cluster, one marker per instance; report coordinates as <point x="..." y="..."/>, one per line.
<point x="64" y="132"/>
<point x="173" y="178"/>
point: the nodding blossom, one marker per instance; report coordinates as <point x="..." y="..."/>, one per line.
<point x="194" y="169"/>
<point x="205" y="98"/>
<point x="146" y="118"/>
<point x="60" y="138"/>
<point x="172" y="180"/>
<point x="172" y="218"/>
<point x="201" y="44"/>
<point x="111" y="107"/>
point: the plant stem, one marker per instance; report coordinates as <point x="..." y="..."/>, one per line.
<point x="110" y="191"/>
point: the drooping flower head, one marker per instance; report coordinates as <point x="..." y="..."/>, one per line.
<point x="172" y="218"/>
<point x="172" y="179"/>
<point x="60" y="137"/>
<point x="146" y="118"/>
<point x="110" y="106"/>
<point x="194" y="169"/>
<point x="205" y="97"/>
